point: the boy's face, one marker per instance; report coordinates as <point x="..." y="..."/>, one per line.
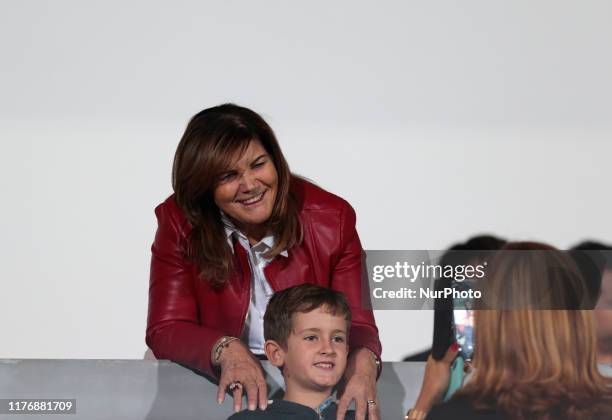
<point x="316" y="352"/>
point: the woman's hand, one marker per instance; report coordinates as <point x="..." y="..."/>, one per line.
<point x="359" y="385"/>
<point x="239" y="366"/>
<point x="436" y="379"/>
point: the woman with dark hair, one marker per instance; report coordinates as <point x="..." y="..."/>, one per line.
<point x="535" y="352"/>
<point x="239" y="227"/>
<point x="595" y="261"/>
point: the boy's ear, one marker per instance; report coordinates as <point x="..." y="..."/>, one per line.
<point x="275" y="353"/>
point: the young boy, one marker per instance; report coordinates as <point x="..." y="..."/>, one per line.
<point x="306" y="330"/>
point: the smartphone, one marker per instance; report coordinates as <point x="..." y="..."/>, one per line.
<point x="463" y="323"/>
<point x="453" y="321"/>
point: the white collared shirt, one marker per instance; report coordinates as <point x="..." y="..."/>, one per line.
<point x="261" y="291"/>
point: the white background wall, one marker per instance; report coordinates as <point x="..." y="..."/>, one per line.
<point x="436" y="120"/>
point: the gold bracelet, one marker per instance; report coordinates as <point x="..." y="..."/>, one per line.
<point x="223" y="343"/>
<point x="415" y="415"/>
<point x="375" y="358"/>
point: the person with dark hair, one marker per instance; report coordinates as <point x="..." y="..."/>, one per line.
<point x="591" y="254"/>
<point x="535" y="355"/>
<point x="472" y="252"/>
<point x="239" y="227"/>
<point x="306" y="329"/>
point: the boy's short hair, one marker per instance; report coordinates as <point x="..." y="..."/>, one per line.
<point x="300" y="299"/>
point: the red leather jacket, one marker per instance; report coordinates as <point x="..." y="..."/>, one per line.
<point x="186" y="316"/>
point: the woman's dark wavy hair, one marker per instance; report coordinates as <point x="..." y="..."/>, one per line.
<point x="211" y="141"/>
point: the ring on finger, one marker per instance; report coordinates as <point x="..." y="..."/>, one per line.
<point x="371" y="403"/>
<point x="235" y="385"/>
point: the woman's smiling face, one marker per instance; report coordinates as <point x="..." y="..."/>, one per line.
<point x="246" y="191"/>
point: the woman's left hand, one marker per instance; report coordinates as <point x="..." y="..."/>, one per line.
<point x="359" y="385"/>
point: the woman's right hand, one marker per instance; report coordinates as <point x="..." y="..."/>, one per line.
<point x="238" y="365"/>
<point x="436" y="379"/>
